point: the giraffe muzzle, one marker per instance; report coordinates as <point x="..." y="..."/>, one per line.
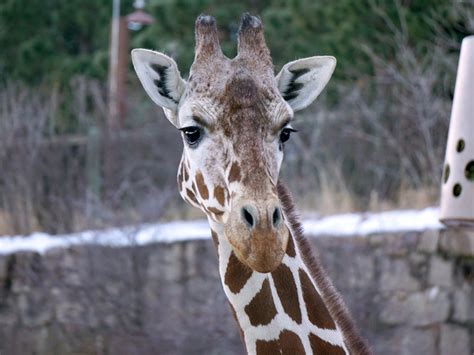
<point x="257" y="233"/>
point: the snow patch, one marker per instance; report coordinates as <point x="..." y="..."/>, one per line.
<point x="337" y="225"/>
<point x="370" y="223"/>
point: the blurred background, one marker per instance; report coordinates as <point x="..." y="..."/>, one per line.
<point x="373" y="141"/>
<point x="82" y="147"/>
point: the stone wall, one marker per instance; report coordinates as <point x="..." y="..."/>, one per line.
<point x="410" y="293"/>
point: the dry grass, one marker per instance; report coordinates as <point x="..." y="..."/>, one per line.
<point x="333" y="201"/>
<point x="5" y="223"/>
<point x="330" y="197"/>
<point x="417" y="198"/>
<point x="7" y="226"/>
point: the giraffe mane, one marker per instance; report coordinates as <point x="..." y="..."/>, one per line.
<point x="338" y="310"/>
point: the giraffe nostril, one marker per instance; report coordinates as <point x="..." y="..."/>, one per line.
<point x="276" y="218"/>
<point x="248" y="218"/>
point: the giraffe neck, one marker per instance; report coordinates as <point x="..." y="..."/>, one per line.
<point x="278" y="312"/>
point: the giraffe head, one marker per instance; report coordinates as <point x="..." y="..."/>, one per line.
<point x="235" y="117"/>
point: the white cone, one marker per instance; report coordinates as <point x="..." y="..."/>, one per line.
<point x="457" y="189"/>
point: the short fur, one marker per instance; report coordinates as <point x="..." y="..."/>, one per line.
<point x="238" y="106"/>
<point x="354" y="342"/>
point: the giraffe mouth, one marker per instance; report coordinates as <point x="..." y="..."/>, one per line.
<point x="257" y="231"/>
<point x="260" y="252"/>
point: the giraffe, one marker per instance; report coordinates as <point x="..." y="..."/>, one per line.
<point x="235" y="117"/>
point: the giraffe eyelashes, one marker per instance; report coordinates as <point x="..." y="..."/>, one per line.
<point x="192" y="135"/>
<point x="285" y="134"/>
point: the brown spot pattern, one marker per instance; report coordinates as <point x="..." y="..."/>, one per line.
<point x="180" y="179"/>
<point x="318" y="314"/>
<point x="267" y="347"/>
<point x="288" y="343"/>
<point x="261" y="310"/>
<point x="354" y="342"/>
<point x="234" y="173"/>
<point x="185" y="173"/>
<point x="215" y="238"/>
<point x="290" y="248"/>
<point x="286" y="289"/>
<point x="216" y="211"/>
<point x="319" y="346"/>
<point x="291" y="343"/>
<point x="203" y="191"/>
<point x="191" y="196"/>
<point x="236" y="274"/>
<point x="219" y="194"/>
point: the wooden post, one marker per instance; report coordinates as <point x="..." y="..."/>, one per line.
<point x="116" y="109"/>
<point x="117" y="72"/>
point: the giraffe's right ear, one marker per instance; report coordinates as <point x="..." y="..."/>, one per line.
<point x="160" y="78"/>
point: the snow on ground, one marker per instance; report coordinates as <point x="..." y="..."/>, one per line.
<point x="370" y="223"/>
<point x="115" y="237"/>
<point x="335" y="225"/>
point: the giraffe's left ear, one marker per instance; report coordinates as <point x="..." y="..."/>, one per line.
<point x="301" y="81"/>
<point x="160" y="78"/>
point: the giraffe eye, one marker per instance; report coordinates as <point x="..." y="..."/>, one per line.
<point x="285" y="134"/>
<point x="192" y="134"/>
